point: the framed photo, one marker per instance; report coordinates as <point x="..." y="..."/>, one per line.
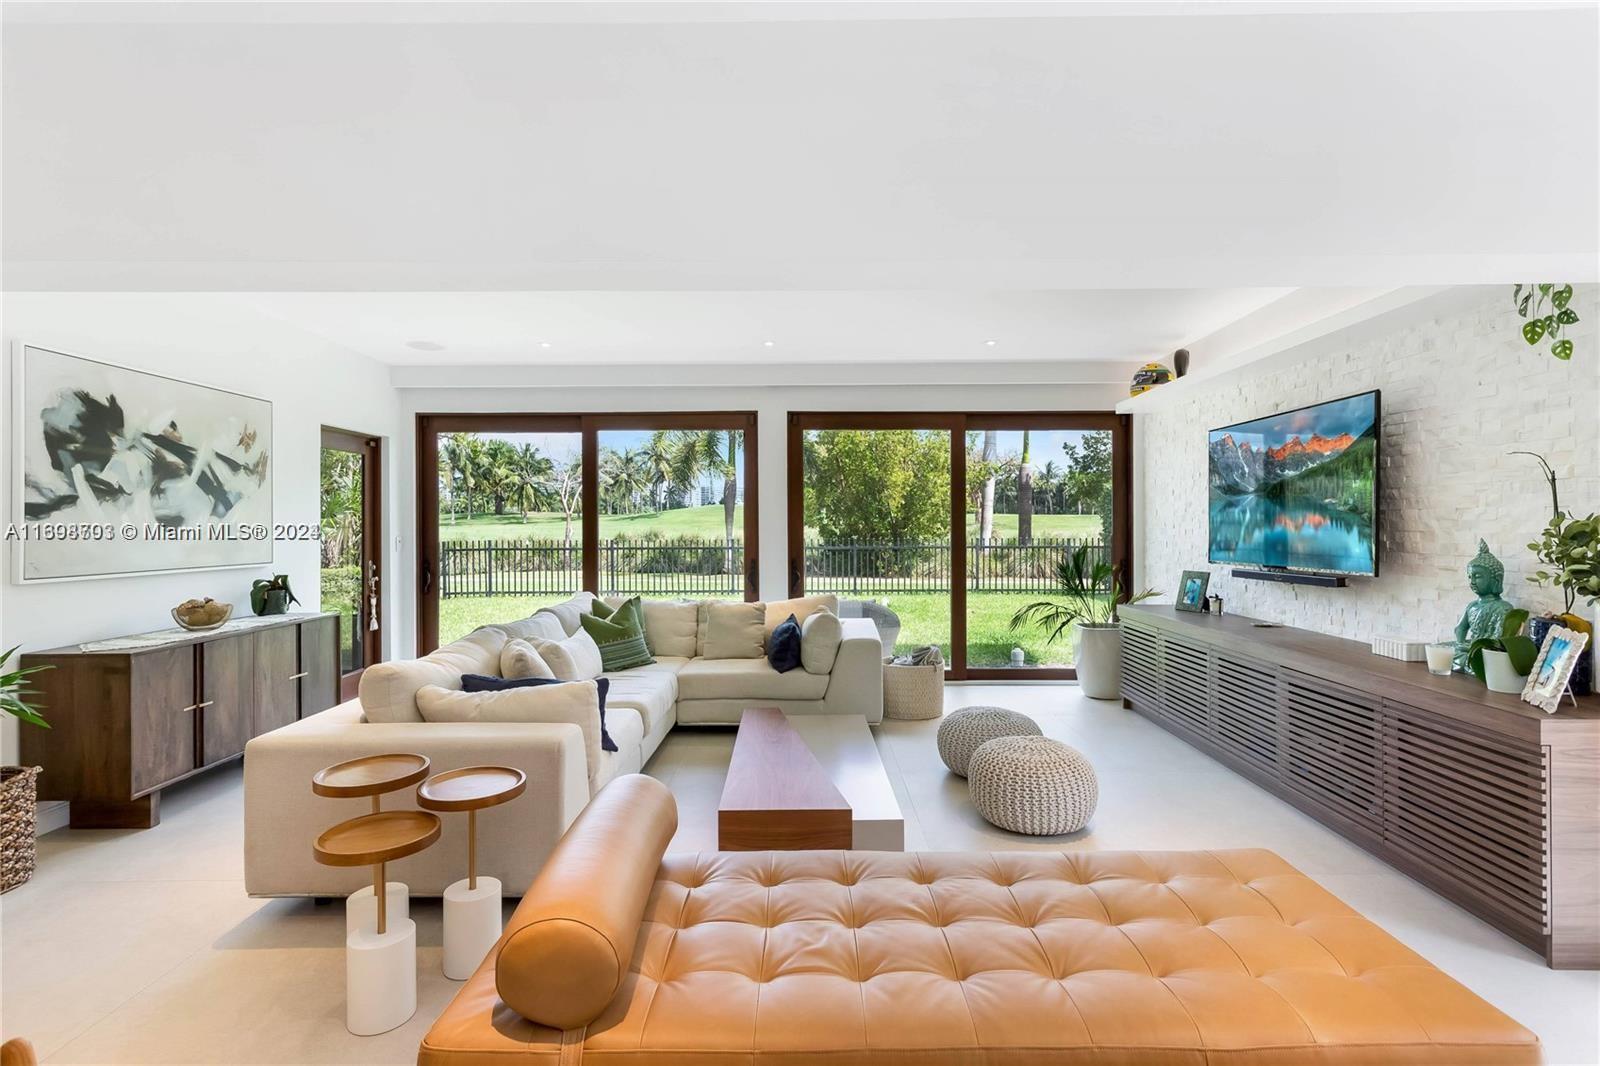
<point x="1192" y="590"/>
<point x="120" y="471"/>
<point x="1547" y="681"/>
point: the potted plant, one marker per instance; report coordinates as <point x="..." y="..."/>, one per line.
<point x="1568" y="550"/>
<point x="19" y="792"/>
<point x="272" y="596"/>
<point x="1503" y="662"/>
<point x="1090" y="594"/>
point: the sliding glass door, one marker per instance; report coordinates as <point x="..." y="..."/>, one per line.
<point x="516" y="512"/>
<point x="951" y="524"/>
<point x="352" y="547"/>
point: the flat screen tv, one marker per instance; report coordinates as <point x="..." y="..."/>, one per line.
<point x="1298" y="490"/>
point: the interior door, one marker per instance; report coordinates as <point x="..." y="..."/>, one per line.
<point x="352" y="549"/>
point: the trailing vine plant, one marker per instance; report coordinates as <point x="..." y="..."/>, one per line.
<point x="1545" y="308"/>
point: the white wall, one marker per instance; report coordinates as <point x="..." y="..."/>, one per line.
<point x="771" y="404"/>
<point x="1461" y="389"/>
<point x="213" y="339"/>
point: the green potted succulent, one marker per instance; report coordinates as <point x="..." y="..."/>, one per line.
<point x="19" y="790"/>
<point x="1090" y="594"/>
<point x="272" y="596"/>
<point x="1502" y="663"/>
<point x="1568" y="550"/>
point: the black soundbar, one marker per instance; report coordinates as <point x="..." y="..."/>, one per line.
<point x="1289" y="577"/>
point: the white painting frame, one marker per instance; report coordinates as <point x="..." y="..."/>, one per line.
<point x="27" y="432"/>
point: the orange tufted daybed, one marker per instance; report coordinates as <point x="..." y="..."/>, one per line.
<point x="619" y="957"/>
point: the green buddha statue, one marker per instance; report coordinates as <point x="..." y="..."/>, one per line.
<point x="1484" y="615"/>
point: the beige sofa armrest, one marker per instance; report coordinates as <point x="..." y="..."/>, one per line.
<point x="856" y="684"/>
<point x="282" y="817"/>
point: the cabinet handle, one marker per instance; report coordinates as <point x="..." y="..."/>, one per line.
<point x="191" y="707"/>
<point x="202" y="706"/>
<point x="297" y="677"/>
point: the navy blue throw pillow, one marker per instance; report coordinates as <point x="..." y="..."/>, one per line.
<point x="485" y="683"/>
<point x="783" y="647"/>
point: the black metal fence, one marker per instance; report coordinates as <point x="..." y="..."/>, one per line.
<point x="686" y="566"/>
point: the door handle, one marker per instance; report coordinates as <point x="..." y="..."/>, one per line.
<point x="203" y="706"/>
<point x="794" y="578"/>
<point x="427" y="575"/>
<point x="191" y="707"/>
<point x="297" y="677"/>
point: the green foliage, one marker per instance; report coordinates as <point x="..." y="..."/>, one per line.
<point x="1348" y="479"/>
<point x="1546" y="322"/>
<point x="262" y="586"/>
<point x="890" y="485"/>
<point x="15" y="693"/>
<point x="1090" y="593"/>
<point x="1569" y="548"/>
<point x="1522" y="651"/>
<point x="341" y="586"/>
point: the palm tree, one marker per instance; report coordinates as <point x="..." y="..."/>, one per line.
<point x="660" y="460"/>
<point x="463" y="458"/>
<point x="986" y="501"/>
<point x="534" y="472"/>
<point x="1025" y="494"/>
<point x="1047" y="484"/>
<point x="498" y="471"/>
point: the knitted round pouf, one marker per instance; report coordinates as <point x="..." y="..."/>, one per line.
<point x="962" y="731"/>
<point x="1033" y="785"/>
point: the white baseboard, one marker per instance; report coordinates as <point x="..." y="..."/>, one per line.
<point x="51" y="815"/>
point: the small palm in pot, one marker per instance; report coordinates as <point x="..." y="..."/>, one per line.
<point x="1090" y="592"/>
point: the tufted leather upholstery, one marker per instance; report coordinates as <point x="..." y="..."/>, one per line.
<point x="1005" y="959"/>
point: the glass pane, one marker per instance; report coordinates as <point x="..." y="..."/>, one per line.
<point x="510" y="526"/>
<point x="1035" y="497"/>
<point x="342" y="493"/>
<point x="877" y="515"/>
<point x="672" y="513"/>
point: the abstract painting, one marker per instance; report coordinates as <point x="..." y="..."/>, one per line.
<point x="127" y="472"/>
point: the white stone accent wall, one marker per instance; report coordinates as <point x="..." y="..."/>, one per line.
<point x="1459" y="393"/>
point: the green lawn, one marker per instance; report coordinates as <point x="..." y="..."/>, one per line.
<point x="706" y="522"/>
<point x="924" y="619"/>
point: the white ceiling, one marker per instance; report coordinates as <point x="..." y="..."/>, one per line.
<point x="735" y="327"/>
<point x="651" y="182"/>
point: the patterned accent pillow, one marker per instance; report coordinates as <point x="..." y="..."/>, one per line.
<point x="620" y="637"/>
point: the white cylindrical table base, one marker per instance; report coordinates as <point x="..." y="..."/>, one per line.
<point x="471" y="925"/>
<point x="380" y="978"/>
<point x="361" y="907"/>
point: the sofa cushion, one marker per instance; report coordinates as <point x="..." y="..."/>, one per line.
<point x="543" y="626"/>
<point x="650" y="691"/>
<point x="519" y="659"/>
<point x="734" y="630"/>
<point x="801" y="607"/>
<point x="783" y="646"/>
<point x="568" y="611"/>
<point x="485" y="683"/>
<point x="620" y="637"/>
<point x="575" y="659"/>
<point x="629" y="754"/>
<point x="820" y="637"/>
<point x="752" y="679"/>
<point x="669" y="626"/>
<point x="577" y="703"/>
<point x="389" y="690"/>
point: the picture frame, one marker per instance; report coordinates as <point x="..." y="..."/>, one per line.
<point x="1192" y="590"/>
<point x="1558" y="657"/>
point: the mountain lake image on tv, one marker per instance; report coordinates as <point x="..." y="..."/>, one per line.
<point x="1298" y="490"/>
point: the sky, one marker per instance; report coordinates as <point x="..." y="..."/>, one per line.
<point x="1351" y="415"/>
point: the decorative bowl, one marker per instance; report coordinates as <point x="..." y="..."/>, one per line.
<point x="227" y="613"/>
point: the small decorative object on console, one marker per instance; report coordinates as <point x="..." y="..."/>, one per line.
<point x="1192" y="590"/>
<point x="1214" y="603"/>
<point x="1484" y="618"/>
<point x="1501" y="662"/>
<point x="1403" y="648"/>
<point x="1440" y="655"/>
<point x="1548" y="680"/>
<point x="272" y="596"/>
<point x="200" y="615"/>
<point x="1148" y="377"/>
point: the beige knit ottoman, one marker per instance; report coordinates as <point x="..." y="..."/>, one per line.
<point x="963" y="731"/>
<point x="1033" y="785"/>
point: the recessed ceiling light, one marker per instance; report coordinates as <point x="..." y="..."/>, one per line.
<point x="990" y="344"/>
<point x="544" y="344"/>
<point x="768" y="344"/>
<point x="425" y="346"/>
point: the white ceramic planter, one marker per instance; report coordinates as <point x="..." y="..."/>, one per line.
<point x="1498" y="673"/>
<point x="1100" y="661"/>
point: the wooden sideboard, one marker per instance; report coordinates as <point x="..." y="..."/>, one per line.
<point x="1486" y="799"/>
<point x="126" y="723"/>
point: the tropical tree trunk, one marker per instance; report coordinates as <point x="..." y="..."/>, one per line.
<point x="1025" y="495"/>
<point x="986" y="501"/>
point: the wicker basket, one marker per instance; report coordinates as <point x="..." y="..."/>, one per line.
<point x="19" y="792"/>
<point x="913" y="693"/>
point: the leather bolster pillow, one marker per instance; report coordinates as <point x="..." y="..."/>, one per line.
<point x="570" y="944"/>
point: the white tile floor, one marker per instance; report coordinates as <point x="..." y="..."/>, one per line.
<point x="141" y="947"/>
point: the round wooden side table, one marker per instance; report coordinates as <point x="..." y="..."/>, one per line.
<point x="380" y="977"/>
<point x="471" y="905"/>
<point x="372" y="775"/>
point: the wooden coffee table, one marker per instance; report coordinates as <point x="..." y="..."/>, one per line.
<point x="810" y="782"/>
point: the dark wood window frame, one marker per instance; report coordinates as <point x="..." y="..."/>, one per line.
<point x="370" y="449"/>
<point x="590" y="426"/>
<point x="958" y="424"/>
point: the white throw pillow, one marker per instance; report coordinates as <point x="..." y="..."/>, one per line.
<point x="567" y="611"/>
<point x="735" y="630"/>
<point x="520" y="659"/>
<point x="575" y="659"/>
<point x="388" y="690"/>
<point x="820" y="637"/>
<point x="543" y="626"/>
<point x="576" y="704"/>
<point x="669" y="625"/>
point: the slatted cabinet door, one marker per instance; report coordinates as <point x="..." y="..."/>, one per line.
<point x="1187" y="683"/>
<point x="1244" y="709"/>
<point x="1328" y="738"/>
<point x="1141" y="664"/>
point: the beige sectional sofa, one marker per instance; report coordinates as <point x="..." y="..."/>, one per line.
<point x="283" y="817"/>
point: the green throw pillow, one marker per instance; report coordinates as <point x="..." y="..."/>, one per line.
<point x="620" y="637"/>
<point x="600" y="609"/>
